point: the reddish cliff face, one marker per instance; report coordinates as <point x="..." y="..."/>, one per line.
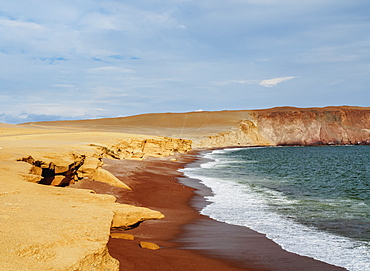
<point x="276" y="126"/>
<point x="315" y="126"/>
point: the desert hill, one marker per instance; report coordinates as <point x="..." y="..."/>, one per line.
<point x="275" y="126"/>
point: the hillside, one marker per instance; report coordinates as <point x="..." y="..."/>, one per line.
<point x="276" y="126"/>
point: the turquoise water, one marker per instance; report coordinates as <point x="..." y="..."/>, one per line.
<point x="314" y="201"/>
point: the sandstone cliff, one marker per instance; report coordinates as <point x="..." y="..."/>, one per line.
<point x="276" y="126"/>
<point x="327" y="126"/>
<point x="294" y="126"/>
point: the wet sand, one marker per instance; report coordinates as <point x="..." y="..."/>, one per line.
<point x="188" y="240"/>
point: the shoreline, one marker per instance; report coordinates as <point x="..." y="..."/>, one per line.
<point x="244" y="245"/>
<point x="188" y="239"/>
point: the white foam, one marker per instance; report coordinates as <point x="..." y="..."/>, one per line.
<point x="238" y="204"/>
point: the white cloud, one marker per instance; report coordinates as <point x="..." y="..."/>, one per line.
<point x="23" y="116"/>
<point x="273" y="82"/>
<point x="19" y="24"/>
<point x="229" y="82"/>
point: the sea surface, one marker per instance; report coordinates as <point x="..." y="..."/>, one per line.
<point x="313" y="201"/>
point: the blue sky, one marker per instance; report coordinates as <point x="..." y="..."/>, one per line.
<point x="65" y="59"/>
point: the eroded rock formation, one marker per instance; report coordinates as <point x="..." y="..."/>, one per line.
<point x="52" y="174"/>
<point x="62" y="172"/>
<point x="149" y="245"/>
<point x="142" y="148"/>
<point x="245" y="134"/>
<point x="128" y="216"/>
<point x="295" y="126"/>
<point x="326" y="126"/>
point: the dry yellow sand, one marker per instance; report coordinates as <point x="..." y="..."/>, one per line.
<point x="53" y="228"/>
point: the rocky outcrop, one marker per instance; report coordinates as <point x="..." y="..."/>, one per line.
<point x="128" y="216"/>
<point x="324" y="126"/>
<point x="149" y="245"/>
<point x="136" y="148"/>
<point x="294" y="126"/>
<point x="246" y="134"/>
<point x="52" y="174"/>
<point x="102" y="175"/>
<point x="63" y="172"/>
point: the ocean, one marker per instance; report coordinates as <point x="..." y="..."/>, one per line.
<point x="313" y="201"/>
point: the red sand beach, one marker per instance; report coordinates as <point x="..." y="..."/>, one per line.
<point x="188" y="240"/>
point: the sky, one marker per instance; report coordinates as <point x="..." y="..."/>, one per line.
<point x="83" y="59"/>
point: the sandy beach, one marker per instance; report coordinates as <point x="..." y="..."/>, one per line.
<point x="188" y="240"/>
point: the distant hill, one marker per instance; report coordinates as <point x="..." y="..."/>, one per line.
<point x="275" y="126"/>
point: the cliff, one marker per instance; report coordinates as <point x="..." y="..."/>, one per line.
<point x="326" y="126"/>
<point x="276" y="126"/>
